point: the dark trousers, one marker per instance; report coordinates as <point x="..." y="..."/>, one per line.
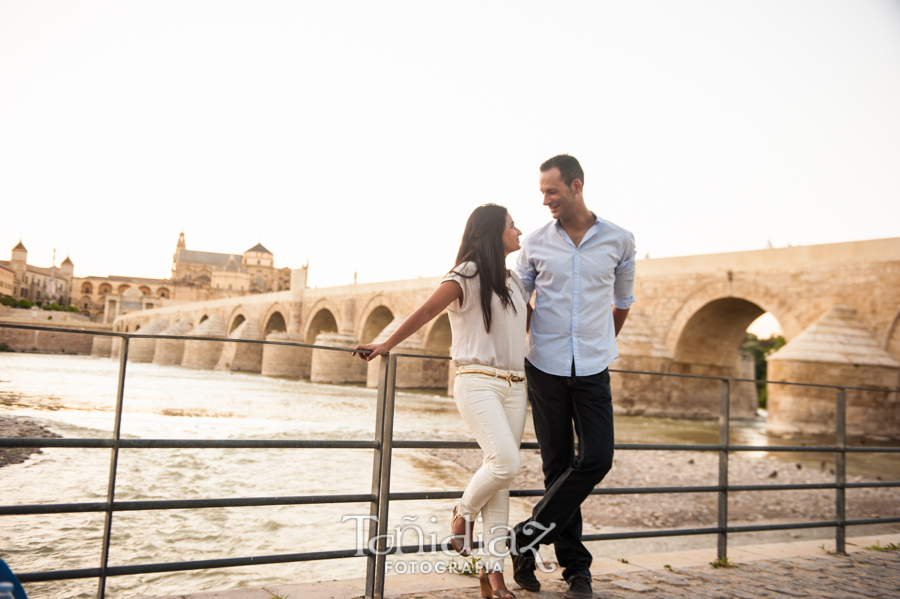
<point x="566" y="407"/>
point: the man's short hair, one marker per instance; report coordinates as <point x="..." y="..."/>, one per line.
<point x="568" y="167"/>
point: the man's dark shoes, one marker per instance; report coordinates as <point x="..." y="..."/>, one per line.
<point x="579" y="587"/>
<point x="523" y="572"/>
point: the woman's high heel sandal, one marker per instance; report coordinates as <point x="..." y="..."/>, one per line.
<point x="462" y="544"/>
<point x="488" y="592"/>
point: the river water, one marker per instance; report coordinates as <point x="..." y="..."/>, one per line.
<point x="75" y="397"/>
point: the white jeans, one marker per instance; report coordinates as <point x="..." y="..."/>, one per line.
<point x="494" y="410"/>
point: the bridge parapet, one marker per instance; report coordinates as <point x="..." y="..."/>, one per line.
<point x="691" y="317"/>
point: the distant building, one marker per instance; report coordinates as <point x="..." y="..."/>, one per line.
<point x="7" y="281"/>
<point x="36" y="283"/>
<point x="196" y="276"/>
<point x="252" y="272"/>
<point x="103" y="298"/>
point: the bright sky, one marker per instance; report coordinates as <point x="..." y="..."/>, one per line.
<point x="360" y="135"/>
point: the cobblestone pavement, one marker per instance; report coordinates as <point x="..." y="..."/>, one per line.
<point x="861" y="575"/>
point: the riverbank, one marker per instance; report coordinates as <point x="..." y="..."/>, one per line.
<point x="17" y="428"/>
<point x="680" y="468"/>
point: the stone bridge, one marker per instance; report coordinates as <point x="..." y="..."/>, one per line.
<point x="838" y="305"/>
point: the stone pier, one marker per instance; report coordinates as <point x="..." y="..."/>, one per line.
<point x="204" y="355"/>
<point x="836" y="350"/>
<point x="171" y="351"/>
<point x="242" y="357"/>
<point x="284" y="360"/>
<point x="329" y="366"/>
<point x="142" y="350"/>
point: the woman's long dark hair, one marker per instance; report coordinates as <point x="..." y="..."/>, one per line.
<point x="482" y="243"/>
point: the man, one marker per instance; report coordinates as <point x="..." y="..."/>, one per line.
<point x="582" y="270"/>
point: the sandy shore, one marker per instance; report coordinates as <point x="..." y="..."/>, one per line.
<point x="13" y="427"/>
<point x="670" y="468"/>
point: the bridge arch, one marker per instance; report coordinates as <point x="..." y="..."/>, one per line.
<point x="892" y="341"/>
<point x="713" y="313"/>
<point x="329" y="306"/>
<point x="237" y="317"/>
<point x="276" y="324"/>
<point x="377" y="314"/>
<point x="322" y="321"/>
<point x="438" y="337"/>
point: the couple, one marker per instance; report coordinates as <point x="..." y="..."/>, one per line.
<point x="582" y="270"/>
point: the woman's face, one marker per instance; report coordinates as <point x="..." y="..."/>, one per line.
<point x="510" y="236"/>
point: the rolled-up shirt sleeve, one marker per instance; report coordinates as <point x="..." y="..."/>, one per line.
<point x="623" y="289"/>
<point x="525" y="270"/>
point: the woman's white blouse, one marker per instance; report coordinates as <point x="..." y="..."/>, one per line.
<point x="504" y="346"/>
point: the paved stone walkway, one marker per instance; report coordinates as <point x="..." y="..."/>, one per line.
<point x="862" y="575"/>
<point x="773" y="571"/>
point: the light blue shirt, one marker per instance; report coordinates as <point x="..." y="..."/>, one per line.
<point x="576" y="290"/>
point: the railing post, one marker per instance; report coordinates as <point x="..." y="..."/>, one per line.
<point x="840" y="473"/>
<point x="113" y="463"/>
<point x="375" y="506"/>
<point x="724" y="408"/>
<point x="385" y="490"/>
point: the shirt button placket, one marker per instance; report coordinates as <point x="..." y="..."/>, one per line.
<point x="575" y="288"/>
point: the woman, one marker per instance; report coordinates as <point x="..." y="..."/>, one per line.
<point x="487" y="309"/>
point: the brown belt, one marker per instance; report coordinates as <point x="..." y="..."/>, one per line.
<point x="512" y="378"/>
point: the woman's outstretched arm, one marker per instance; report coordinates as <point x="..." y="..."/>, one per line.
<point x="434" y="305"/>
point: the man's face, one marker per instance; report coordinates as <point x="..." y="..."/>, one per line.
<point x="558" y="196"/>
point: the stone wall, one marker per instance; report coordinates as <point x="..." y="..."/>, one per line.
<point x="50" y="341"/>
<point x="102" y="347"/>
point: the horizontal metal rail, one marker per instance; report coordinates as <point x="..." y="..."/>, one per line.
<point x="398" y="444"/>
<point x="185" y="443"/>
<point x="415" y="444"/>
<point x="192" y="565"/>
<point x="184" y="504"/>
<point x="180" y="504"/>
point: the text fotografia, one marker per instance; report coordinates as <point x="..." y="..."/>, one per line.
<point x="408" y="537"/>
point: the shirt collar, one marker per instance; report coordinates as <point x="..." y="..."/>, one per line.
<point x="587" y="235"/>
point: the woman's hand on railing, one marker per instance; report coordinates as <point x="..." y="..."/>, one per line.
<point x="377" y="349"/>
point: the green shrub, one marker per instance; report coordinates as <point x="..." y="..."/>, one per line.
<point x="8" y="300"/>
<point x="24" y="303"/>
<point x="759" y="349"/>
<point x="58" y="308"/>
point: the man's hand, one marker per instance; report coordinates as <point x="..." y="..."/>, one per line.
<point x="619" y="317"/>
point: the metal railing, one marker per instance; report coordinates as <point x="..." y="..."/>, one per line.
<point x="381" y="496"/>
